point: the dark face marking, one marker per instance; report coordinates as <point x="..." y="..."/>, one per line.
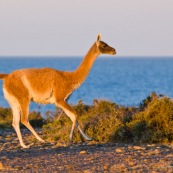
<point x="106" y="49"/>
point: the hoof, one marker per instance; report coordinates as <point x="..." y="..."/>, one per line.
<point x="43" y="141"/>
<point x="89" y="139"/>
<point x="27" y="146"/>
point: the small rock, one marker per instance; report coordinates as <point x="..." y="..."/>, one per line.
<point x="1" y="166"/>
<point x="19" y="167"/>
<point x="87" y="171"/>
<point x="121" y="167"/>
<point x="28" y="166"/>
<point x="157" y="151"/>
<point x="83" y="152"/>
<point x="59" y="144"/>
<point x="137" y="147"/>
<point x="92" y="142"/>
<point x="132" y="163"/>
<point x="118" y="150"/>
<point x="146" y="160"/>
<point x="8" y="136"/>
<point x="106" y="167"/>
<point x="151" y="153"/>
<point x="130" y="147"/>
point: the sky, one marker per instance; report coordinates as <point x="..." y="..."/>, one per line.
<point x="70" y="27"/>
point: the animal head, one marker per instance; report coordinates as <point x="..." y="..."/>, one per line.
<point x="104" y="48"/>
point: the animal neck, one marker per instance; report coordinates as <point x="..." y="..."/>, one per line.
<point x="84" y="68"/>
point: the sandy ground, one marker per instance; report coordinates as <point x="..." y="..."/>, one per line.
<point x="85" y="158"/>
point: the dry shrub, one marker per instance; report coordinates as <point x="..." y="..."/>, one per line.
<point x="155" y="122"/>
<point x="36" y="119"/>
<point x="58" y="129"/>
<point x="106" y="122"/>
<point x="99" y="122"/>
<point x="5" y="117"/>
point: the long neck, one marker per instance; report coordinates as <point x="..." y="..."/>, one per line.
<point x="82" y="71"/>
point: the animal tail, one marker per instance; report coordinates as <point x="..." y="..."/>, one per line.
<point x="3" y="76"/>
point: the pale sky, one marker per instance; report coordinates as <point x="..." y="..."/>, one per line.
<point x="70" y="27"/>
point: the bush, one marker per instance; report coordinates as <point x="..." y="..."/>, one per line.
<point x="98" y="121"/>
<point x="36" y="119"/>
<point x="105" y="121"/>
<point x="6" y="117"/>
<point x="154" y="123"/>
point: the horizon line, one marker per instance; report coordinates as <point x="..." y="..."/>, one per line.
<point x="80" y="56"/>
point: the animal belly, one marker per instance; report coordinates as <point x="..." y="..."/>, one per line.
<point x="50" y="100"/>
<point x="43" y="99"/>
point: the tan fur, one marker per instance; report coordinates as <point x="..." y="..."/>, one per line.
<point x="45" y="86"/>
<point x="3" y="76"/>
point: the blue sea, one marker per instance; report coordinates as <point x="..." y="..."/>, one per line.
<point x="125" y="81"/>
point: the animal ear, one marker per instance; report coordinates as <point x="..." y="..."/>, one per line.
<point x="99" y="37"/>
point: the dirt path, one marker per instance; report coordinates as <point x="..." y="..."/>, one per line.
<point x="86" y="158"/>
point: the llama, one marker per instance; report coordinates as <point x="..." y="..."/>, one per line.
<point x="47" y="85"/>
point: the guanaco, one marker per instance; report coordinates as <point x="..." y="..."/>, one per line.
<point x="47" y="85"/>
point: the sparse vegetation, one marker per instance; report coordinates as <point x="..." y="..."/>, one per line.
<point x="104" y="121"/>
<point x="6" y="117"/>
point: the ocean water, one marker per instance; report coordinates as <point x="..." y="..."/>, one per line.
<point x="125" y="81"/>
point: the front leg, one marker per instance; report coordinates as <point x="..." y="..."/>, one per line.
<point x="71" y="113"/>
<point x="82" y="133"/>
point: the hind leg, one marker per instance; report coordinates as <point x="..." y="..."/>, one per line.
<point x="24" y="120"/>
<point x="15" y="106"/>
<point x="16" y="124"/>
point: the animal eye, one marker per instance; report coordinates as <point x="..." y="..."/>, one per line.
<point x="104" y="45"/>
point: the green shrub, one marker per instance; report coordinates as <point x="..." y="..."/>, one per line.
<point x="98" y="121"/>
<point x="36" y="119"/>
<point x="58" y="129"/>
<point x="105" y="121"/>
<point x="155" y="122"/>
<point x="5" y="117"/>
